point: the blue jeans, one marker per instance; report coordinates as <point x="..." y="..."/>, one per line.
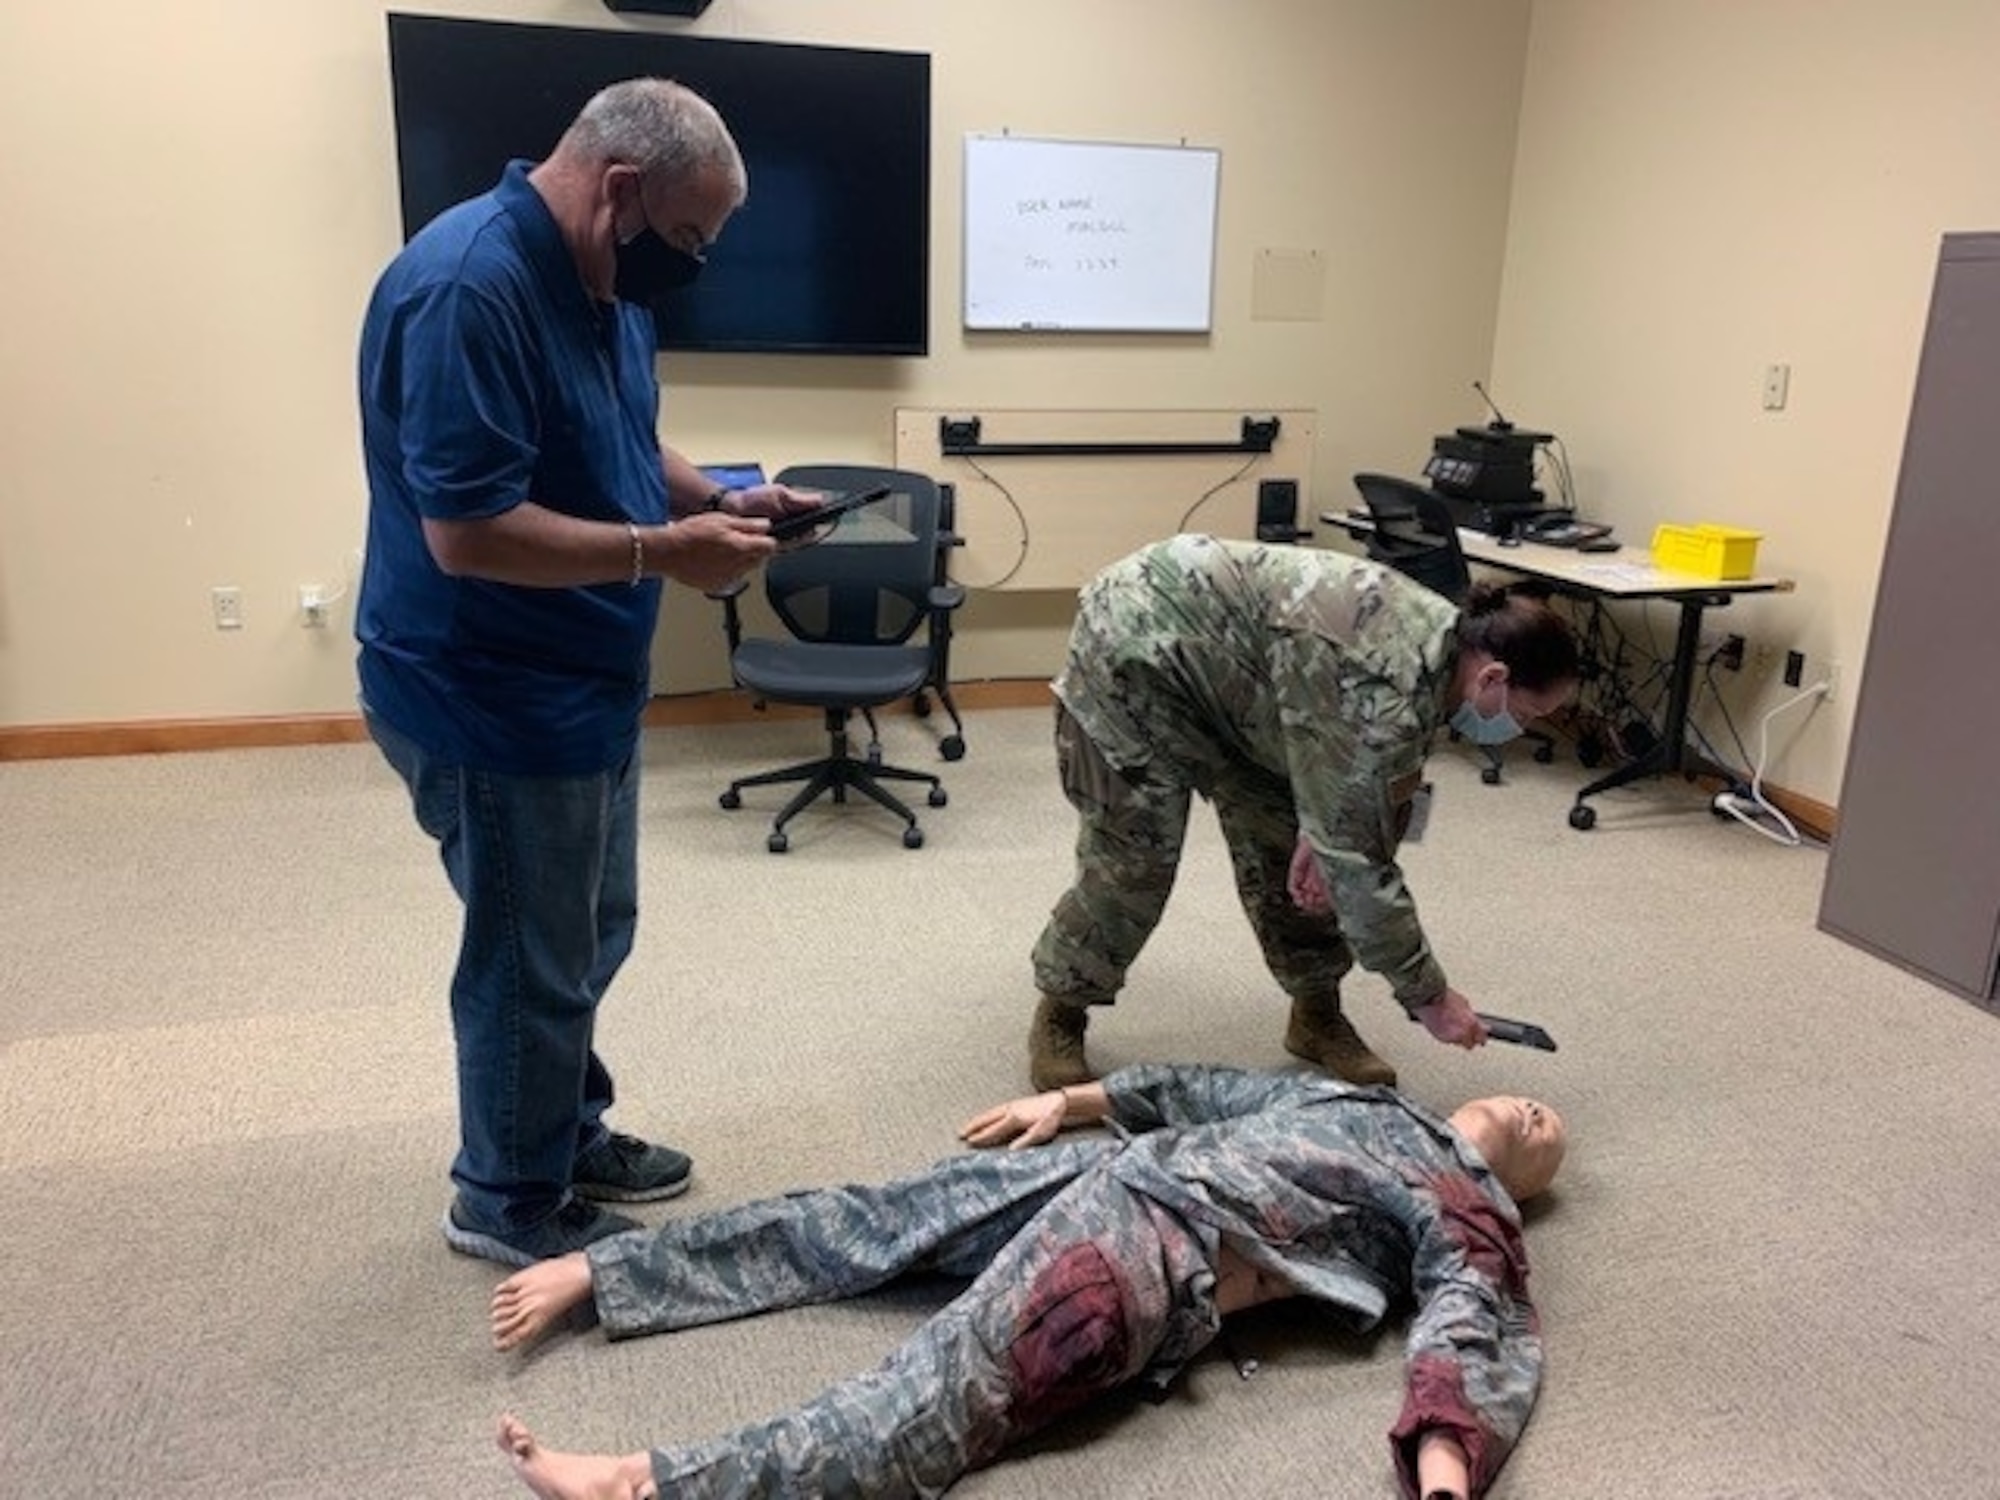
<point x="547" y="869"/>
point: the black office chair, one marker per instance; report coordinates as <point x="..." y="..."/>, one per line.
<point x="1415" y="533"/>
<point x="852" y="603"/>
<point x="938" y="682"/>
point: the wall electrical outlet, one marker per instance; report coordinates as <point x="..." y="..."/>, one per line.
<point x="1831" y="676"/>
<point x="312" y="606"/>
<point x="227" y="603"/>
<point x="1777" y="385"/>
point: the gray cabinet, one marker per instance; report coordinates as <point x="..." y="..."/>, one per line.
<point x="1914" y="874"/>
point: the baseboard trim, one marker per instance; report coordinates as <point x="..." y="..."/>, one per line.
<point x="171" y="736"/>
<point x="167" y="736"/>
<point x="724" y="706"/>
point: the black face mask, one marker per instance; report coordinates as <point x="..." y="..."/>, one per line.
<point x="649" y="268"/>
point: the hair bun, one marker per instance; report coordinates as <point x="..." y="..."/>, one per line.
<point x="1484" y="598"/>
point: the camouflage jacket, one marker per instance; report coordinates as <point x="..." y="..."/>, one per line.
<point x="1196" y="654"/>
<point x="1358" y="1197"/>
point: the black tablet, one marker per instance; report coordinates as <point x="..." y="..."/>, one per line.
<point x="1520" y="1033"/>
<point x="803" y="522"/>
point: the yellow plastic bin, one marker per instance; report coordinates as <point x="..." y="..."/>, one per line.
<point x="1707" y="550"/>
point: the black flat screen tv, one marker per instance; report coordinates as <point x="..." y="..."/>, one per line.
<point x="830" y="255"/>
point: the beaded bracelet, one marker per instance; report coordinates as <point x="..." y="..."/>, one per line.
<point x="638" y="556"/>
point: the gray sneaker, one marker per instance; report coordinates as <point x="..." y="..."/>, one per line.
<point x="571" y="1227"/>
<point x="625" y="1169"/>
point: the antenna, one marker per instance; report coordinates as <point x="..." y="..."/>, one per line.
<point x="1499" y="422"/>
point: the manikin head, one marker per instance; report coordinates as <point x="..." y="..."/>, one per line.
<point x="1523" y="1141"/>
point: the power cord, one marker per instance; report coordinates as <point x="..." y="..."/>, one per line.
<point x="1751" y="810"/>
<point x="1558" y="463"/>
<point x="317" y="599"/>
<point x="1020" y="519"/>
<point x="1220" y="485"/>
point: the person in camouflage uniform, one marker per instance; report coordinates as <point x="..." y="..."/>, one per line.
<point x="1097" y="1262"/>
<point x="1299" y="691"/>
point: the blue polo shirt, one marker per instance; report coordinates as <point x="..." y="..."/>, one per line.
<point x="489" y="376"/>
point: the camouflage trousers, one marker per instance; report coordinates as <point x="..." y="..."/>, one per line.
<point x="1079" y="1285"/>
<point x="1128" y="850"/>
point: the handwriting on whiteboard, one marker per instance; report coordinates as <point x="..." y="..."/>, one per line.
<point x="1081" y="236"/>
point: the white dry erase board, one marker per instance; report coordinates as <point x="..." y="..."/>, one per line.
<point x="1086" y="237"/>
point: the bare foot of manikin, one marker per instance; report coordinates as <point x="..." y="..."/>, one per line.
<point x="575" y="1476"/>
<point x="527" y="1303"/>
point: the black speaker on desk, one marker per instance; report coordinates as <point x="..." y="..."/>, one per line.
<point x="1278" y="511"/>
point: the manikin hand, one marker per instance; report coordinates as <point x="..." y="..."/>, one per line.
<point x="1441" y="1465"/>
<point x="1020" y="1122"/>
<point x="1450" y="1018"/>
<point x="1306" y="884"/>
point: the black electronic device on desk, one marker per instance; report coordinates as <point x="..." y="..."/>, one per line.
<point x="1487" y="474"/>
<point x="1561" y="528"/>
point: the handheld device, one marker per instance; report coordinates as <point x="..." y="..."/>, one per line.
<point x="804" y="522"/>
<point x="1520" y="1033"/>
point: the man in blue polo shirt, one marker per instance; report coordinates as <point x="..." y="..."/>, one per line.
<point x="522" y="515"/>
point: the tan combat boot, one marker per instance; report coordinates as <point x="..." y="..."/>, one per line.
<point x="1055" y="1045"/>
<point x="1320" y="1034"/>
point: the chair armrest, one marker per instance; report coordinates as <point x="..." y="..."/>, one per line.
<point x="947" y="596"/>
<point x="728" y="591"/>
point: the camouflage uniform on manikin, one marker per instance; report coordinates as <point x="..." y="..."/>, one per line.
<point x="1298" y="690"/>
<point x="1095" y="1265"/>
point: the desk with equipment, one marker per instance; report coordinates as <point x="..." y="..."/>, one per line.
<point x="1613" y="577"/>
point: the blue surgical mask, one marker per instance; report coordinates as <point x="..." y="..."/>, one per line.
<point x="1482" y="729"/>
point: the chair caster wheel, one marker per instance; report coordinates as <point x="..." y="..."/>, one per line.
<point x="731" y="799"/>
<point x="937" y="797"/>
<point x="1490" y="775"/>
<point x="913" y="838"/>
<point x="1545" y="754"/>
<point x="1583" y="817"/>
<point x="777" y="843"/>
<point x="874" y="757"/>
<point x="951" y="747"/>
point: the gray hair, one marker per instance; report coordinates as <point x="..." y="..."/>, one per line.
<point x="658" y="126"/>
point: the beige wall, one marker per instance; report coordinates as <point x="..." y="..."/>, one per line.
<point x="1708" y="187"/>
<point x="201" y="194"/>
